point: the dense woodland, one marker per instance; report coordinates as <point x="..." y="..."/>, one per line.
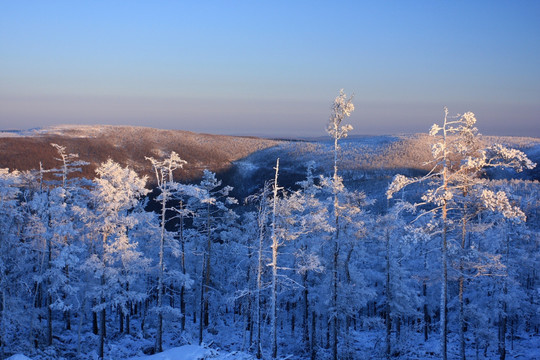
<point x="444" y="264"/>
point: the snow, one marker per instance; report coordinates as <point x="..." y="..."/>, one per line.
<point x="186" y="352"/>
<point x="194" y="352"/>
<point x="18" y="357"/>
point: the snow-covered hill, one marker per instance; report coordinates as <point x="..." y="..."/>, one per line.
<point x="127" y="145"/>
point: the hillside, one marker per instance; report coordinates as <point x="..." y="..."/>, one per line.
<point x="244" y="162"/>
<point x="367" y="163"/>
<point x="126" y="145"/>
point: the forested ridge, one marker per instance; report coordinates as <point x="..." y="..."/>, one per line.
<point x="127" y="145"/>
<point x="406" y="247"/>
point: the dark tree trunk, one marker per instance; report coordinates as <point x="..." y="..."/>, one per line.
<point x="305" y="327"/>
<point x="102" y="334"/>
<point x="313" y="335"/>
<point x="95" y="328"/>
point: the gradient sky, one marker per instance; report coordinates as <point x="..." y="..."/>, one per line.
<point x="270" y="67"/>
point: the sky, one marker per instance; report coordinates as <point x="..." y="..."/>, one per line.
<point x="270" y="68"/>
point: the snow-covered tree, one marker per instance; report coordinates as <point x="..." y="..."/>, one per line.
<point x="114" y="257"/>
<point x="294" y="215"/>
<point x="341" y="109"/>
<point x="210" y="205"/>
<point x="164" y="170"/>
<point x="308" y="247"/>
<point x="262" y="203"/>
<point x="10" y="218"/>
<point x="401" y="295"/>
<point x="457" y="164"/>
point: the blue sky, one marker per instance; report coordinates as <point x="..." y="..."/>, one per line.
<point x="270" y="68"/>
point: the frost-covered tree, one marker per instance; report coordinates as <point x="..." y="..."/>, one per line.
<point x="210" y="205"/>
<point x="116" y="193"/>
<point x="164" y="170"/>
<point x="55" y="203"/>
<point x="262" y="203"/>
<point x="308" y="246"/>
<point x="400" y="293"/>
<point x="294" y="215"/>
<point x="10" y="218"/>
<point x="342" y="108"/>
<point x="69" y="163"/>
<point x="457" y="164"/>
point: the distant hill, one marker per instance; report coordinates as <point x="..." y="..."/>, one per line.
<point x="243" y="162"/>
<point x="367" y="163"/>
<point x="127" y="145"/>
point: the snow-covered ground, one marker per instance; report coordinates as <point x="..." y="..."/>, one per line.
<point x="187" y="352"/>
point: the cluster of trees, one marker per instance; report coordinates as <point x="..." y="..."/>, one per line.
<point x="310" y="266"/>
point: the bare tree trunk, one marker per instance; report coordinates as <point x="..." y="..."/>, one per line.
<point x="49" y="321"/>
<point x="49" y="296"/>
<point x="128" y="323"/>
<point x="95" y="327"/>
<point x="67" y="313"/>
<point x="444" y="290"/>
<point x="159" y="331"/>
<point x="444" y="285"/>
<point x="183" y="263"/>
<point x="201" y="303"/>
<point x="261" y="222"/>
<point x="503" y="318"/>
<point x="121" y="321"/>
<point x="305" y="326"/>
<point x="461" y="289"/>
<point x="335" y="259"/>
<point x="207" y="272"/>
<point x="2" y="325"/>
<point x="313" y="335"/>
<point x="102" y="331"/>
<point x="249" y="310"/>
<point x="275" y="246"/>
<point x="388" y="298"/>
<point x="426" y="313"/>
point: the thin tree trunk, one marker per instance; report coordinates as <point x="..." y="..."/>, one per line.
<point x="444" y="290"/>
<point x="128" y="323"/>
<point x="208" y="264"/>
<point x="461" y="289"/>
<point x="335" y="259"/>
<point x="249" y="310"/>
<point x="503" y="318"/>
<point x="67" y="313"/>
<point x="444" y="285"/>
<point x="388" y="299"/>
<point x="121" y="322"/>
<point x="102" y="319"/>
<point x="95" y="327"/>
<point x="159" y="331"/>
<point x="426" y="313"/>
<point x="261" y="222"/>
<point x="49" y="296"/>
<point x="201" y="304"/>
<point x="313" y="335"/>
<point x="183" y="263"/>
<point x="305" y="326"/>
<point x="102" y="331"/>
<point x="49" y="321"/>
<point x="2" y="325"/>
<point x="275" y="246"/>
<point x="79" y="329"/>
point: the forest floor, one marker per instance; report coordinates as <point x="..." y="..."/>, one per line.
<point x="227" y="341"/>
